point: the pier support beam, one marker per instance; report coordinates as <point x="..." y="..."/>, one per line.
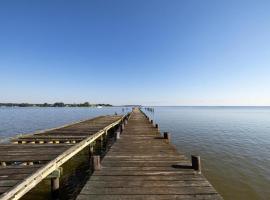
<point x="118" y="135"/>
<point x="96" y="163"/>
<point x="196" y="163"/>
<point x="118" y="132"/>
<point x="167" y="136"/>
<point x="55" y="182"/>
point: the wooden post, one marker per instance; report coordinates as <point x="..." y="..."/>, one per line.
<point x="122" y="126"/>
<point x="118" y="132"/>
<point x="91" y="150"/>
<point x="96" y="163"/>
<point x="196" y="163"/>
<point x="126" y="121"/>
<point x="156" y="126"/>
<point x="167" y="136"/>
<point x="55" y="182"/>
<point x="99" y="144"/>
<point x="55" y="186"/>
<point x="105" y="140"/>
<point x="117" y="135"/>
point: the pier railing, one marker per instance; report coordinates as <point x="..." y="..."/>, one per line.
<point x="53" y="166"/>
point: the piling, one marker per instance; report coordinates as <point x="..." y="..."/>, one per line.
<point x="167" y="136"/>
<point x="96" y="163"/>
<point x="196" y="163"/>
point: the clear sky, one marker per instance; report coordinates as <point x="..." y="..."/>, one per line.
<point x="152" y="52"/>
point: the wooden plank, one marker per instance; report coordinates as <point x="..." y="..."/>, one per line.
<point x="25" y="170"/>
<point x="148" y="197"/>
<point x="31" y="146"/>
<point x="150" y="190"/>
<point x="19" y="177"/>
<point x="145" y="164"/>
<point x="26" y="158"/>
<point x="130" y="178"/>
<point x="144" y="183"/>
<point x="8" y="183"/>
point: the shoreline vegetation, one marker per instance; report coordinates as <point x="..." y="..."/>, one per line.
<point x="56" y="104"/>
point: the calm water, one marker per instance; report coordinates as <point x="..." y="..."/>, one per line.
<point x="16" y="120"/>
<point x="233" y="142"/>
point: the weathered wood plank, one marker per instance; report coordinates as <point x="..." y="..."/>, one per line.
<point x="150" y="190"/>
<point x="128" y="178"/>
<point x="145" y="183"/>
<point x="149" y="197"/>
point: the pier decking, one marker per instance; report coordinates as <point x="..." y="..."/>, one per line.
<point x="144" y="165"/>
<point x="32" y="158"/>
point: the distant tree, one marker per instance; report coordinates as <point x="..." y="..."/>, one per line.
<point x="58" y="104"/>
<point x="86" y="104"/>
<point x="24" y="105"/>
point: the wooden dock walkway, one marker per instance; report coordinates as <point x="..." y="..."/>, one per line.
<point x="29" y="159"/>
<point x="144" y="165"/>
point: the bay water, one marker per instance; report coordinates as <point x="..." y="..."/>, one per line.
<point x="233" y="142"/>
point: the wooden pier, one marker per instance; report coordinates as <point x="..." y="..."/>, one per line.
<point x="142" y="164"/>
<point x="29" y="159"/>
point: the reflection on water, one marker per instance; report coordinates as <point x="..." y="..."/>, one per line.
<point x="234" y="143"/>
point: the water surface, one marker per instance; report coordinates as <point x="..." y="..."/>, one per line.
<point x="21" y="120"/>
<point x="233" y="142"/>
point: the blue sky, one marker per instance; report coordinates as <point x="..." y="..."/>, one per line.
<point x="152" y="52"/>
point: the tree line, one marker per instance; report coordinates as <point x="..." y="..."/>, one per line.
<point x="56" y="104"/>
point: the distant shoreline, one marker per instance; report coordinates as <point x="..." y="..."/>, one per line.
<point x="57" y="104"/>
